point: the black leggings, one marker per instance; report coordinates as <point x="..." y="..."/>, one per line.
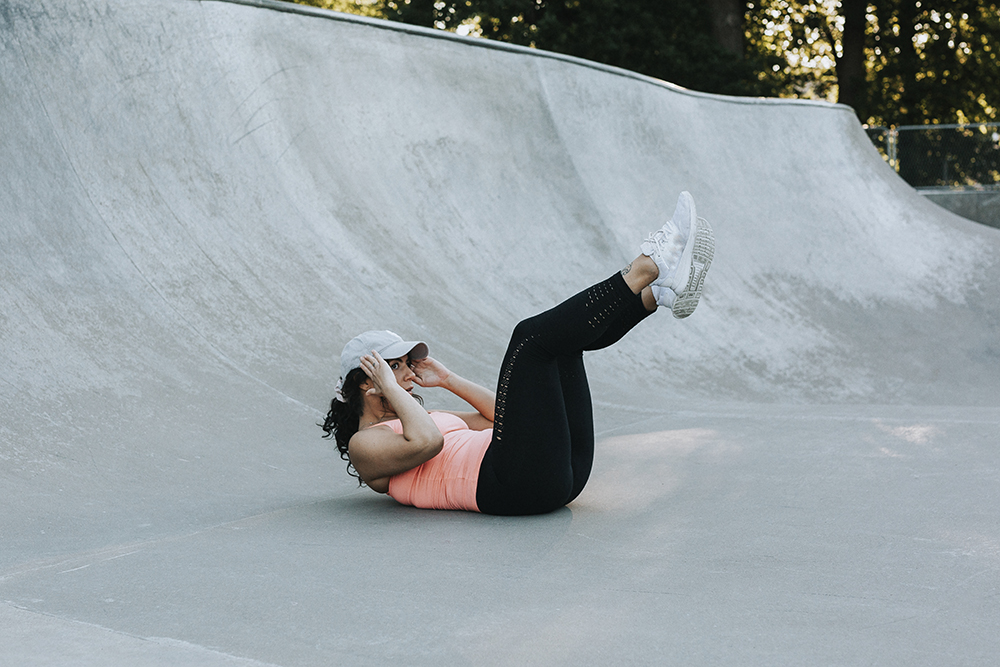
<point x="543" y="434"/>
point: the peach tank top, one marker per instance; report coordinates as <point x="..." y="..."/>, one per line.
<point x="449" y="480"/>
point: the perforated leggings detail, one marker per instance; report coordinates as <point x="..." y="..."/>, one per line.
<point x="543" y="435"/>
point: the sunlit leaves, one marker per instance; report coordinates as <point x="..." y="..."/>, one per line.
<point x="371" y="8"/>
<point x="936" y="61"/>
<point x="907" y="61"/>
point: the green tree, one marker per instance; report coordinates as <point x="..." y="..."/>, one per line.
<point x="894" y="61"/>
<point x="371" y="8"/>
<point x="675" y="40"/>
<point x="934" y="61"/>
<point x="667" y="39"/>
<point x="897" y="62"/>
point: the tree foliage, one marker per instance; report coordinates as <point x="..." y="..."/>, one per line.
<point x="895" y="61"/>
<point x="371" y="8"/>
<point x="934" y="60"/>
<point x="667" y="39"/>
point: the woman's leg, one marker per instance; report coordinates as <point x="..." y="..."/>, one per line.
<point x="543" y="440"/>
<point x="580" y="415"/>
<point x="624" y="323"/>
<point x="542" y="448"/>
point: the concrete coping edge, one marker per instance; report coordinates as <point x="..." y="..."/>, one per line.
<point x="293" y="8"/>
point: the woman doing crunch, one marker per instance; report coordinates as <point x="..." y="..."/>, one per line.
<point x="529" y="447"/>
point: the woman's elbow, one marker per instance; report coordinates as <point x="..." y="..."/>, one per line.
<point x="429" y="444"/>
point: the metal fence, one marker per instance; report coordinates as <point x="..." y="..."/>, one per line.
<point x="942" y="156"/>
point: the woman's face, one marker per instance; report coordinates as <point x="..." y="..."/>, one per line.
<point x="404" y="374"/>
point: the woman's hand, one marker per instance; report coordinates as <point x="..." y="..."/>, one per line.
<point x="376" y="368"/>
<point x="430" y="372"/>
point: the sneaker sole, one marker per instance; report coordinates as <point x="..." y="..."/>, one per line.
<point x="701" y="260"/>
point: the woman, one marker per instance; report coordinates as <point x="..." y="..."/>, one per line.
<point x="528" y="448"/>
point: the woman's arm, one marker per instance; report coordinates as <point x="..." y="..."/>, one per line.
<point x="432" y="373"/>
<point x="380" y="453"/>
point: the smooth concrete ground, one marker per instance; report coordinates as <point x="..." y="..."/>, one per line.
<point x="201" y="201"/>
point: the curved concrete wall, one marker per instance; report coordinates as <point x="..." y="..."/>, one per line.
<point x="979" y="205"/>
<point x="202" y="201"/>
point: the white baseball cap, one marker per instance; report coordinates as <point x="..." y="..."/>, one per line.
<point x="386" y="343"/>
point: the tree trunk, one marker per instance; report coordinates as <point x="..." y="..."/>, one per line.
<point x="909" y="63"/>
<point x="851" y="64"/>
<point x="727" y="24"/>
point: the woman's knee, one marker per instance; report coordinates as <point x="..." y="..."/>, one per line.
<point x="523" y="497"/>
<point x="526" y="329"/>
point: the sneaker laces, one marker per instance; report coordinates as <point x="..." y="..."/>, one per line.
<point x="665" y="242"/>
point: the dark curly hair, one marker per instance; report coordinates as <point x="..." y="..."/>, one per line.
<point x="343" y="419"/>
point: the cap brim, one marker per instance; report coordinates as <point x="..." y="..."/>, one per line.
<point x="413" y="349"/>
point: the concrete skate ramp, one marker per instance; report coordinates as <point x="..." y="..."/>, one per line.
<point x="201" y="201"/>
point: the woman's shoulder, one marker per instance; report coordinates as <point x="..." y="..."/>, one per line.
<point x="374" y="431"/>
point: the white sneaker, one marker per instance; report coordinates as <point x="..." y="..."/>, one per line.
<point x="664" y="296"/>
<point x="695" y="267"/>
<point x="671" y="248"/>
